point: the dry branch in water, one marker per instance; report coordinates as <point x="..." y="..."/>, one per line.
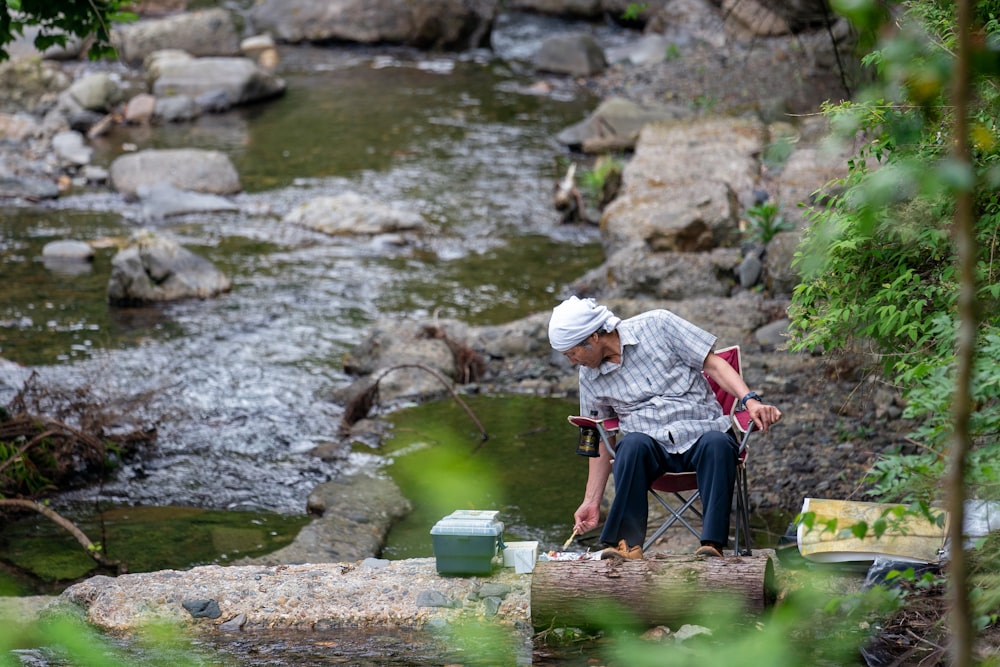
<point x="357" y="408"/>
<point x="51" y="438"/>
<point x="93" y="550"/>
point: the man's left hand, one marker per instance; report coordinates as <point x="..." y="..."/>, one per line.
<point x="763" y="415"/>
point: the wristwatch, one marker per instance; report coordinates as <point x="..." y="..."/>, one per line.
<point x="742" y="405"/>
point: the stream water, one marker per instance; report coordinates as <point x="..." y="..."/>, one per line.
<point x="239" y="385"/>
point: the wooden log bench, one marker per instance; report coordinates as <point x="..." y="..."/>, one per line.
<point x="661" y="590"/>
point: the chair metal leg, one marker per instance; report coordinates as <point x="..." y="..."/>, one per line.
<point x="742" y="515"/>
<point x="676" y="515"/>
<point x="743" y="503"/>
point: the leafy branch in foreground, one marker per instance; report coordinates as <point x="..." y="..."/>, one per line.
<point x="58" y="20"/>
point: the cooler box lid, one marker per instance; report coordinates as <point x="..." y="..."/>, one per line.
<point x="469" y="522"/>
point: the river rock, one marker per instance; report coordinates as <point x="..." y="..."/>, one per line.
<point x="352" y="213"/>
<point x="162" y="200"/>
<point x="209" y="32"/>
<point x="71" y="148"/>
<point x="573" y="54"/>
<point x="139" y="110"/>
<point x="27" y="187"/>
<point x="615" y="124"/>
<point x="95" y="92"/>
<point x="70" y="251"/>
<point x="780" y="274"/>
<point x="176" y="109"/>
<point x="184" y="168"/>
<point x="154" y="268"/>
<point x="68" y="258"/>
<point x="773" y="334"/>
<point x="433" y="24"/>
<point x="241" y="79"/>
<point x="646" y="50"/>
<point x="362" y="506"/>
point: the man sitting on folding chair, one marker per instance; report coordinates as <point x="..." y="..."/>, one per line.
<point x="648" y="372"/>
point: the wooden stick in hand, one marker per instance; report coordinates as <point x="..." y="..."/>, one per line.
<point x="570" y="540"/>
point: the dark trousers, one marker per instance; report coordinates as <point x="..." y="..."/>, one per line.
<point x="640" y="460"/>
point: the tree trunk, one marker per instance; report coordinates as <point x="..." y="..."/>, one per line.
<point x="656" y="591"/>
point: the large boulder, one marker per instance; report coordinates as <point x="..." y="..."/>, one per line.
<point x="676" y="217"/>
<point x="439" y="24"/>
<point x="240" y="79"/>
<point x="184" y="168"/>
<point x="154" y="268"/>
<point x="634" y="272"/>
<point x="211" y="32"/>
<point x="353" y="515"/>
<point x="683" y="188"/>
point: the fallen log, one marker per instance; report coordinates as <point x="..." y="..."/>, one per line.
<point x="646" y="593"/>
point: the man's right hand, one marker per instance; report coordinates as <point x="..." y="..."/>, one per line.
<point x="586" y="517"/>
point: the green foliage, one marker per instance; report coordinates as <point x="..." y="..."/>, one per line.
<point x="71" y="641"/>
<point x="807" y="628"/>
<point x="23" y="471"/>
<point x="878" y="262"/>
<point x="764" y="221"/>
<point x="58" y="20"/>
<point x="915" y="476"/>
<point x="606" y="169"/>
<point x="633" y="10"/>
<point x="704" y="103"/>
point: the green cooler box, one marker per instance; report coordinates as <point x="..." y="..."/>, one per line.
<point x="466" y="541"/>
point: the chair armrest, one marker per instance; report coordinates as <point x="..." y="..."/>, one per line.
<point x="609" y="424"/>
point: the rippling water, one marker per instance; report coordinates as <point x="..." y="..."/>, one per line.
<point x="241" y="383"/>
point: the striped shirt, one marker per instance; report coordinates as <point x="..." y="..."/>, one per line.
<point x="658" y="388"/>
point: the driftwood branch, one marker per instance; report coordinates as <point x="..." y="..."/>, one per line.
<point x="366" y="398"/>
<point x="92" y="549"/>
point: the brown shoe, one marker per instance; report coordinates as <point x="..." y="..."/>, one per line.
<point x="708" y="550"/>
<point x="622" y="551"/>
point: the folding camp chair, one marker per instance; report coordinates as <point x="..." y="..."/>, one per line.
<point x="684" y="486"/>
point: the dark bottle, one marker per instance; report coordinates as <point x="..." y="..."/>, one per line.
<point x="589" y="443"/>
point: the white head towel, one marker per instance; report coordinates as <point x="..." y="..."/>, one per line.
<point x="575" y="319"/>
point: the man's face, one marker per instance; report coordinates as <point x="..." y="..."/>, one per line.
<point x="585" y="354"/>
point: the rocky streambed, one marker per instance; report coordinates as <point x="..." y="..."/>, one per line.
<point x="672" y="239"/>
